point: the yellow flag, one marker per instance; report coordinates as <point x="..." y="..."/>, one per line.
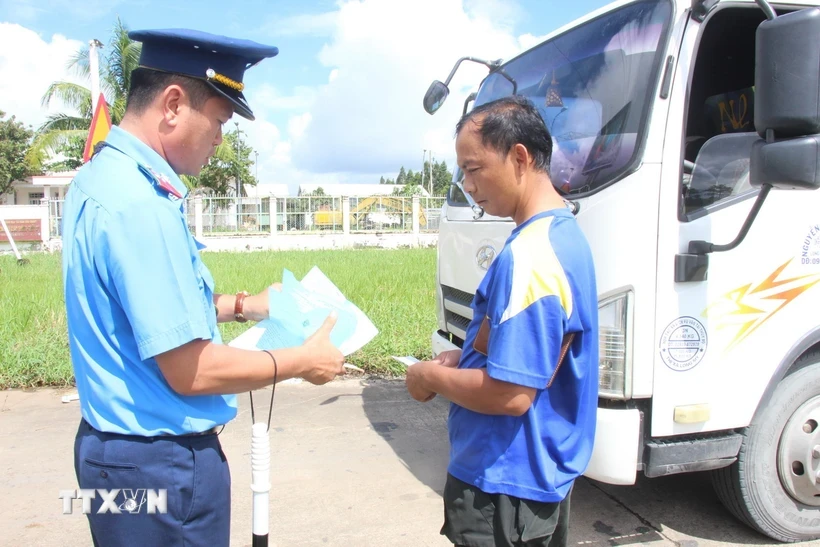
<point x="100" y="126"/>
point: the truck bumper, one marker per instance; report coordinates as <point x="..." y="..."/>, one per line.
<point x="441" y="344"/>
<point x="617" y="444"/>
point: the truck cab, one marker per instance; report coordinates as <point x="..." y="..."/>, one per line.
<point x="671" y="121"/>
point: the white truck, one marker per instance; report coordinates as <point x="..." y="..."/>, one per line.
<point x="672" y="122"/>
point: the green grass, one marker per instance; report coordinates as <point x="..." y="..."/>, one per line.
<point x="395" y="288"/>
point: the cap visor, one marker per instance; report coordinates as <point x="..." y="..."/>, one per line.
<point x="239" y="107"/>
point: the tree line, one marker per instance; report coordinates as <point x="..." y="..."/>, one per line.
<point x="414" y="181"/>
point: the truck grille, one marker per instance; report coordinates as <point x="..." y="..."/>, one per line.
<point x="460" y="296"/>
<point x="457" y="310"/>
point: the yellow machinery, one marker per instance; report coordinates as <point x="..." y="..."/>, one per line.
<point x="386" y="213"/>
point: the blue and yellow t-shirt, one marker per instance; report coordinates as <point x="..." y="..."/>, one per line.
<point x="540" y="287"/>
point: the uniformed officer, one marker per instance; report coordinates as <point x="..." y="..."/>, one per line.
<point x="155" y="382"/>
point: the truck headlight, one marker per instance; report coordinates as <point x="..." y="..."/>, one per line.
<point x="614" y="348"/>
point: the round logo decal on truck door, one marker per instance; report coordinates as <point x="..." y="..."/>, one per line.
<point x="485" y="256"/>
<point x="683" y="343"/>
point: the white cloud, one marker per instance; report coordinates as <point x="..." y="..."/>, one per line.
<point x="29" y="65"/>
<point x="274" y="150"/>
<point x="526" y="41"/>
<point x="502" y="13"/>
<point x="383" y="55"/>
<point x="319" y="24"/>
<point x="266" y="97"/>
<point x="297" y="125"/>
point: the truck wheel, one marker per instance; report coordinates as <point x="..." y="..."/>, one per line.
<point x="774" y="486"/>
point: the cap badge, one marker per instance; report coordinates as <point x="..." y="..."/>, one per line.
<point x="224" y="80"/>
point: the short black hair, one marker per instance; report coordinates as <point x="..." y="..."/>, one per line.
<point x="146" y="84"/>
<point x="508" y="121"/>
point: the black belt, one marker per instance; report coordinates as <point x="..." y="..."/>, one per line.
<point x="215" y="430"/>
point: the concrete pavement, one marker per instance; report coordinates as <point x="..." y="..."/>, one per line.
<point x="361" y="454"/>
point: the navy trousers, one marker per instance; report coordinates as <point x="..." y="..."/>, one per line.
<point x="192" y="470"/>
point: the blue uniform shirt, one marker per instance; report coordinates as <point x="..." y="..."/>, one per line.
<point x="135" y="287"/>
<point x="540" y="287"/>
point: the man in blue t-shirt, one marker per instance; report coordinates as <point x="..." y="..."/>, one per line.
<point x="524" y="389"/>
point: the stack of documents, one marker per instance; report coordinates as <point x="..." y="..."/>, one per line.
<point x="300" y="308"/>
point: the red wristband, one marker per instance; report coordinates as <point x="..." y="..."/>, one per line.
<point x="238" y="316"/>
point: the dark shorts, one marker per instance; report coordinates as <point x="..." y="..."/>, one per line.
<point x="473" y="518"/>
<point x="193" y="470"/>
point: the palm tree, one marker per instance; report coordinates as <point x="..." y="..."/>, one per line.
<point x="121" y="56"/>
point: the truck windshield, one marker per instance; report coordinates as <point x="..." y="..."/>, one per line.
<point x="593" y="86"/>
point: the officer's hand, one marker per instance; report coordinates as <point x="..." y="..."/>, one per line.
<point x="324" y="361"/>
<point x="257" y="307"/>
<point x="448" y="358"/>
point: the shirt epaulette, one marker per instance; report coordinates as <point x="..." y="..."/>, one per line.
<point x="159" y="180"/>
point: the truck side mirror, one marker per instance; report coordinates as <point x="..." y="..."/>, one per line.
<point x="787" y="102"/>
<point x="436" y="95"/>
<point x="793" y="164"/>
<point x="438" y="91"/>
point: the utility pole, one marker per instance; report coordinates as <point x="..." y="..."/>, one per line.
<point x="431" y="171"/>
<point x="236" y="143"/>
<point x="256" y="165"/>
<point x="94" y="69"/>
<point x="423" y="159"/>
<point x="238" y="181"/>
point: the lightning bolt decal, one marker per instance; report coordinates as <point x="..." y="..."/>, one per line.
<point x="746" y="309"/>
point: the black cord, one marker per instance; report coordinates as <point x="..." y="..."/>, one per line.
<point x="273" y="387"/>
<point x="272" y="393"/>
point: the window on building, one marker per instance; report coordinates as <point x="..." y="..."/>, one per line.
<point x="35" y="197"/>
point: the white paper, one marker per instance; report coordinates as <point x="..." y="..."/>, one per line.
<point x="406" y="360"/>
<point x="300" y="309"/>
<point x="318" y="282"/>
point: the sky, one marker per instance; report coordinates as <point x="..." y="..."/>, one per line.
<point x="341" y="103"/>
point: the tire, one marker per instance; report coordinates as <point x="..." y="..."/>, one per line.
<point x="754" y="488"/>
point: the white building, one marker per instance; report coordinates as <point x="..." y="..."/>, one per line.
<point x="33" y="189"/>
<point x="266" y="190"/>
<point x="353" y="190"/>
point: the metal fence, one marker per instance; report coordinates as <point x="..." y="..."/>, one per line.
<point x="222" y="215"/>
<point x="382" y="214"/>
<point x="227" y="215"/>
<point x="431" y="208"/>
<point x="55" y="218"/>
<point x="309" y="214"/>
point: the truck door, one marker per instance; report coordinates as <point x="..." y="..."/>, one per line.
<point x="719" y="339"/>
